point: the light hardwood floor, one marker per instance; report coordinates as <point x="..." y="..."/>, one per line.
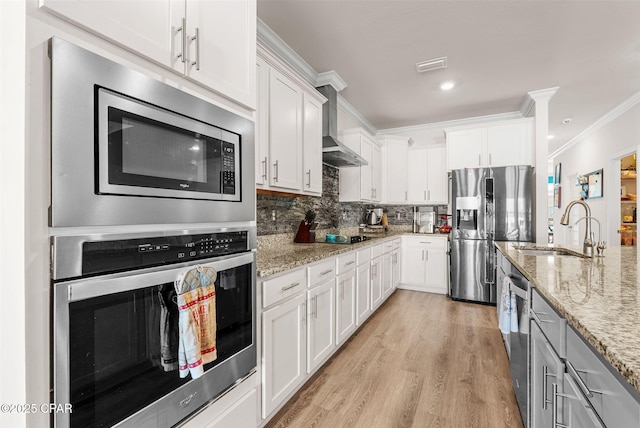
<point x="422" y="360"/>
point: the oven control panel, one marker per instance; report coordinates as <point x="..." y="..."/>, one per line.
<point x="113" y="256"/>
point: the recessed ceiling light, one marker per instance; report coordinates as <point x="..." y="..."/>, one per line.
<point x="447" y="85"/>
<point x="567" y="120"/>
<point x="431" y="64"/>
<point x="550" y="137"/>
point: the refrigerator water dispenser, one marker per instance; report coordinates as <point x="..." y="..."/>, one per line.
<point x="467" y="212"/>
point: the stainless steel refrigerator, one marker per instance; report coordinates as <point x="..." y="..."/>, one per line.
<point x="488" y="205"/>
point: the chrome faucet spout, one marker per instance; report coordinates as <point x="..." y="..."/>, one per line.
<point x="587" y="245"/>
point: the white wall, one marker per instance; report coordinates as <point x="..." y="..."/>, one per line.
<point x="591" y="153"/>
<point x="13" y="364"/>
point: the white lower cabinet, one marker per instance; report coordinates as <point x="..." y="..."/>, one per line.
<point x="284" y="341"/>
<point x="345" y="305"/>
<point x="321" y="328"/>
<point x="387" y="271"/>
<point x="395" y="266"/>
<point x="237" y="407"/>
<point x="242" y="414"/>
<point x="376" y="283"/>
<point x="363" y="292"/>
<point x="424" y="264"/>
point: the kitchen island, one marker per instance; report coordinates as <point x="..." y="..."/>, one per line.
<point x="599" y="297"/>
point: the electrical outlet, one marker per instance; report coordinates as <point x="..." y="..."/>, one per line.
<point x="398" y="216"/>
<point x="273" y="215"/>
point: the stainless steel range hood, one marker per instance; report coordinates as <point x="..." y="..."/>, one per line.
<point x="334" y="152"/>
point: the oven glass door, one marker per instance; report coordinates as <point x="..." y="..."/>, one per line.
<point x="148" y="151"/>
<point x="122" y="336"/>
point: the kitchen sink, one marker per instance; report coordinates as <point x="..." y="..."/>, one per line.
<point x="532" y="251"/>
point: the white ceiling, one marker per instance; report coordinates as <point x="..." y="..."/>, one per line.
<point x="497" y="52"/>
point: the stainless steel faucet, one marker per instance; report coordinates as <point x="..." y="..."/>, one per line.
<point x="588" y="244"/>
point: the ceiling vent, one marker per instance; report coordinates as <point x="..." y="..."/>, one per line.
<point x="431" y="64"/>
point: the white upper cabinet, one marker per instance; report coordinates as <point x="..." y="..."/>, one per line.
<point x="363" y="183"/>
<point x="427" y="183"/>
<point x="288" y="130"/>
<point x="496" y="144"/>
<point x="212" y="43"/>
<point x="312" y="149"/>
<point x="395" y="165"/>
<point x="285" y="132"/>
<point x="221" y="39"/>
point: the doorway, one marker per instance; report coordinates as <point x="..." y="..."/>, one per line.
<point x="622" y="218"/>
<point x="628" y="198"/>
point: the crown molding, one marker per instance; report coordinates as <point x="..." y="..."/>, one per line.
<point x="344" y="105"/>
<point x="331" y="78"/>
<point x="604" y="120"/>
<point x="270" y="40"/>
<point x="453" y="123"/>
<point x="529" y="101"/>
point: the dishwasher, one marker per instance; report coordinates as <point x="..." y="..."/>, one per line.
<point x="519" y="342"/>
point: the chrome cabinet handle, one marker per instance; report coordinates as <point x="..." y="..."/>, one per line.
<point x="583" y="386"/>
<point x="315" y="307"/>
<point x="309" y="175"/>
<point x="342" y="290"/>
<point x="182" y="29"/>
<point x="545" y="375"/>
<point x="428" y="195"/>
<point x="196" y="38"/>
<point x="406" y="195"/>
<point x="489" y="158"/>
<point x="554" y="410"/>
<point x="289" y="287"/>
<point x="304" y="311"/>
<point x="350" y="263"/>
<point x="425" y="195"/>
<point x="427" y="253"/>
<point x="275" y="172"/>
<point x="479" y="161"/>
<point x="326" y="272"/>
<point x="536" y="317"/>
<point x="264" y="168"/>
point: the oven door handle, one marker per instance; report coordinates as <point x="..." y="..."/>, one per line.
<point x="88" y="288"/>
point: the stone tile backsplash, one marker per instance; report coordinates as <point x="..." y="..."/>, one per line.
<point x="330" y="213"/>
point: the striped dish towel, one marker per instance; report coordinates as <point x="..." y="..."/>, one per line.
<point x="196" y="298"/>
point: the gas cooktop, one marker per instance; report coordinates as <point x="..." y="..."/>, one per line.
<point x="344" y="239"/>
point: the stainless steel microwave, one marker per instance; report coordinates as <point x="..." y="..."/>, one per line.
<point x="127" y="149"/>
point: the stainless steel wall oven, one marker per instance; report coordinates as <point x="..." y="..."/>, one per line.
<point x="116" y="324"/>
<point x="128" y="149"/>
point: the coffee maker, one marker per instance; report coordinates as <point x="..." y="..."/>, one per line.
<point x="424" y="220"/>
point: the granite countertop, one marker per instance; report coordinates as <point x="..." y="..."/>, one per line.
<point x="599" y="297"/>
<point x="278" y="257"/>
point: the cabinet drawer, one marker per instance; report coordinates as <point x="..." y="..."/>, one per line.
<point x="427" y="241"/>
<point x="346" y="262"/>
<point x="322" y="271"/>
<point x="396" y="243"/>
<point x="364" y="256"/>
<point x="550" y="321"/>
<point x="616" y="406"/>
<point x="277" y="289"/>
<point x="376" y="251"/>
<point x="387" y="246"/>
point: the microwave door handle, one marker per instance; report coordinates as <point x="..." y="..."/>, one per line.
<point x="127" y="281"/>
